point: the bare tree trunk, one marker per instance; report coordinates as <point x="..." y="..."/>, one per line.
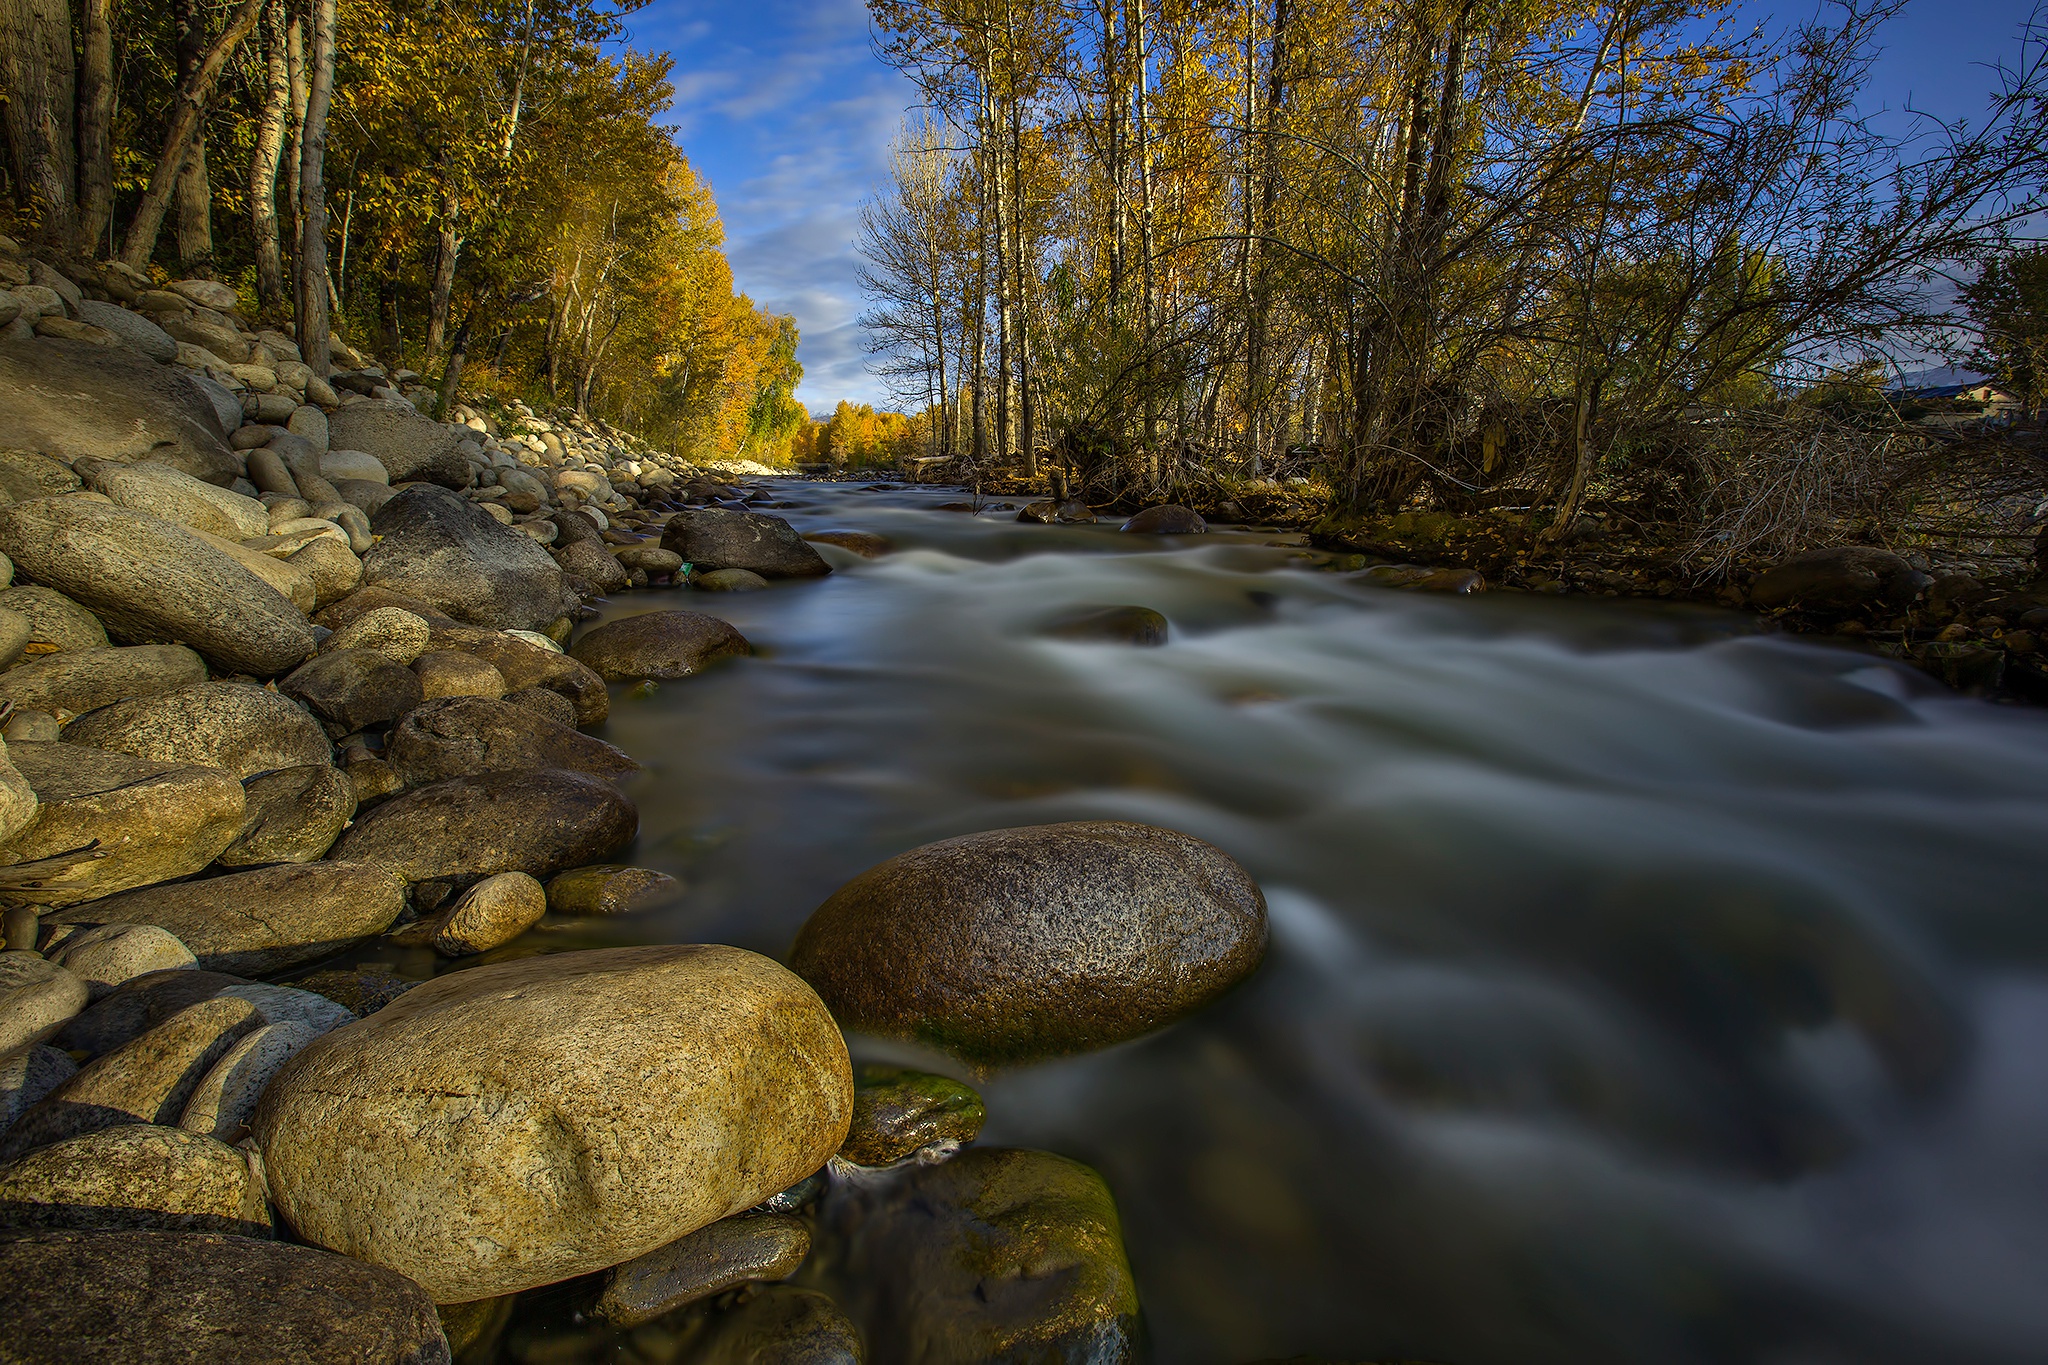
<point x="1027" y="435"/>
<point x="195" y="190"/>
<point x="1258" y="418"/>
<point x="1137" y="26"/>
<point x="451" y="378"/>
<point x="95" y="122"/>
<point x="263" y="168"/>
<point x="295" y="125"/>
<point x="448" y="249"/>
<point x="312" y="262"/>
<point x="36" y="71"/>
<point x="186" y="112"/>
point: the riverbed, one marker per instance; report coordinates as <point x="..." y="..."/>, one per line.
<point x="1642" y="987"/>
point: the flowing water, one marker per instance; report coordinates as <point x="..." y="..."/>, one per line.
<point x="1641" y="988"/>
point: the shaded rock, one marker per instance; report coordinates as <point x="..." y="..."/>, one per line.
<point x="220" y="1108"/>
<point x="608" y="889"/>
<point x="1047" y="512"/>
<point x="898" y="1113"/>
<point x="1841" y="579"/>
<point x="354" y="688"/>
<point x="533" y="822"/>
<point x="1169" y="519"/>
<point x="663" y="645"/>
<point x="524" y="665"/>
<point x="145" y="1080"/>
<point x="1111" y="625"/>
<point x="70" y="399"/>
<point x="728" y="580"/>
<point x="35" y="726"/>
<point x="149" y="580"/>
<point x="26" y="1075"/>
<point x="291" y="815"/>
<point x="998" y="1254"/>
<point x="361" y="990"/>
<point x="1423" y="578"/>
<point x="463" y="736"/>
<point x="590" y="560"/>
<point x="650" y="559"/>
<point x="394" y="632"/>
<point x="452" y="673"/>
<point x="716" y="538"/>
<point x="451" y="554"/>
<point x="493" y="912"/>
<point x="231" y="726"/>
<point x="25" y="474"/>
<point x="212" y="294"/>
<point x="725" y="1255"/>
<point x="139" y="1005"/>
<point x="37" y="998"/>
<point x="152" y="821"/>
<point x="56" y="622"/>
<point x="633" y="1094"/>
<point x="136" y="1176"/>
<point x="372" y="779"/>
<point x="780" y="1325"/>
<point x="133" y="329"/>
<point x="17" y="797"/>
<point x="290" y="1005"/>
<point x="474" y="1328"/>
<point x="339" y="465"/>
<point x="366" y="599"/>
<point x="409" y="446"/>
<point x="553" y="705"/>
<point x="80" y="680"/>
<point x="160" y="491"/>
<point x="194" y="1298"/>
<point x="866" y="544"/>
<point x="1035" y="942"/>
<point x="106" y="955"/>
<point x="14" y="636"/>
<point x="264" y="920"/>
<point x="370" y="497"/>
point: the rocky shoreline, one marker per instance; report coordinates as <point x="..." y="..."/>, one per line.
<point x="291" y="669"/>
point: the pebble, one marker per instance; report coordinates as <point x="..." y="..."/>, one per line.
<point x="898" y="1113"/>
<point x="728" y="1253"/>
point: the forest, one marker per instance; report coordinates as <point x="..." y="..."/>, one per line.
<point x="480" y="191"/>
<point x="1459" y="256"/>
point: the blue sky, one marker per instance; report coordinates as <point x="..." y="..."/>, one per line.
<point x="783" y="107"/>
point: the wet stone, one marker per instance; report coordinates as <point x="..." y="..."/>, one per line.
<point x="711" y="1260"/>
<point x="898" y="1113"/>
<point x="1170" y="519"/>
<point x="778" y="1325"/>
<point x="608" y="889"/>
<point x="1111" y="625"/>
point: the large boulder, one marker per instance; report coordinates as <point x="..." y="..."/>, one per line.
<point x="409" y="446"/>
<point x="463" y="736"/>
<point x="354" y="688"/>
<point x="134" y="329"/>
<point x="1842" y="578"/>
<point x="198" y="1298"/>
<point x="716" y="538"/>
<point x="536" y="822"/>
<point x="449" y="553"/>
<point x="106" y="955"/>
<point x="74" y="681"/>
<point x="174" y="496"/>
<point x="231" y="726"/>
<point x="528" y="1121"/>
<point x="68" y="399"/>
<point x="1168" y="519"/>
<point x="523" y="665"/>
<point x="56" y="623"/>
<point x="595" y="565"/>
<point x="658" y="644"/>
<point x="25" y="475"/>
<point x="136" y="1176"/>
<point x="152" y="822"/>
<point x="148" y="581"/>
<point x="37" y="998"/>
<point x="135" y="1007"/>
<point x="1017" y="944"/>
<point x="263" y="920"/>
<point x="293" y="815"/>
<point x="997" y="1254"/>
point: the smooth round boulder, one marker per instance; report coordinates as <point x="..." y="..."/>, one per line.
<point x="410" y="447"/>
<point x="662" y="645"/>
<point x="718" y="538"/>
<point x="536" y="822"/>
<point x="1168" y="519"/>
<point x="261" y="921"/>
<point x="26" y="1075"/>
<point x="609" y="889"/>
<point x="527" y="1121"/>
<point x="37" y="998"/>
<point x="134" y="330"/>
<point x="451" y="673"/>
<point x="592" y="562"/>
<point x="745" y="1249"/>
<point x="139" y="1005"/>
<point x="227" y="1096"/>
<point x="145" y="822"/>
<point x="176" y="497"/>
<point x="329" y="565"/>
<point x="354" y="689"/>
<point x="728" y="580"/>
<point x="70" y="399"/>
<point x="106" y="955"/>
<point x="56" y="622"/>
<point x="899" y="1113"/>
<point x="495" y="911"/>
<point x="231" y="726"/>
<point x="1019" y="944"/>
<point x="449" y="553"/>
<point x="197" y="1298"/>
<point x="997" y="1254"/>
<point x="524" y="665"/>
<point x="75" y="681"/>
<point x="1140" y="626"/>
<point x="291" y="815"/>
<point x="136" y="1176"/>
<point x="147" y="579"/>
<point x="650" y="559"/>
<point x="463" y="736"/>
<point x="394" y="632"/>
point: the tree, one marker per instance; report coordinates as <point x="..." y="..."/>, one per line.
<point x="2008" y="303"/>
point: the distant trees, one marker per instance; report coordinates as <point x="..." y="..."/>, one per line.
<point x="2008" y="303"/>
<point x="1447" y="252"/>
<point x="479" y="189"/>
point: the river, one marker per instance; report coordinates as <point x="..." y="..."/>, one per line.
<point x="1642" y="988"/>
